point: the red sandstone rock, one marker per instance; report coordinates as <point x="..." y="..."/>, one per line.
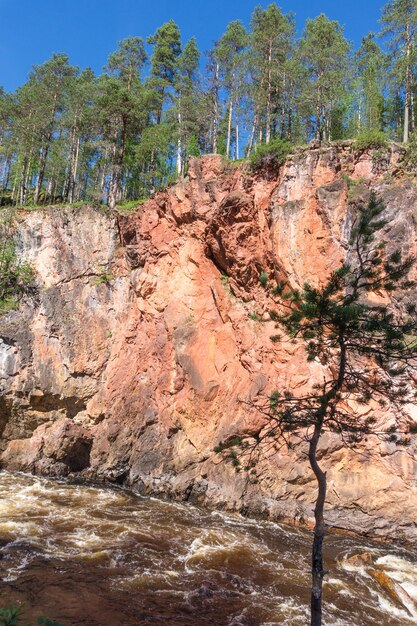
<point x="161" y="364"/>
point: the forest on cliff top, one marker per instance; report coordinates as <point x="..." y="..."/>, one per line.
<point x="68" y="135"/>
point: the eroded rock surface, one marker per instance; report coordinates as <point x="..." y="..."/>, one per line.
<point x="149" y="339"/>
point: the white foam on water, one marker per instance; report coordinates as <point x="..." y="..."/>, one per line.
<point x="394" y="611"/>
<point x="15" y="570"/>
<point x="220" y="542"/>
<point x="334" y="582"/>
<point x="143" y="542"/>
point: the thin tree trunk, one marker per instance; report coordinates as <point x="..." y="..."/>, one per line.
<point x="26" y="182"/>
<point x="283" y="106"/>
<point x="7" y="174"/>
<point x="179" y="146"/>
<point x="319" y="113"/>
<point x="104" y="170"/>
<point x="237" y="138"/>
<point x="45" y="151"/>
<point x="22" y="193"/>
<point x="268" y="98"/>
<point x="290" y="115"/>
<point x="216" y="107"/>
<point x="152" y="174"/>
<point x="229" y="128"/>
<point x="252" y="135"/>
<point x="407" y="87"/>
<point x="317" y="570"/>
<point x="74" y="171"/>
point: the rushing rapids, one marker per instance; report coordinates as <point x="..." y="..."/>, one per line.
<point x="100" y="557"/>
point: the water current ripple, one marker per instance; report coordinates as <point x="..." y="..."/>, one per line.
<point x="102" y="557"/>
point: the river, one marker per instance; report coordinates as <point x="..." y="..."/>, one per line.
<point x="93" y="556"/>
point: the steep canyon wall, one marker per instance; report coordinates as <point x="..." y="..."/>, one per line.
<point x="149" y="338"/>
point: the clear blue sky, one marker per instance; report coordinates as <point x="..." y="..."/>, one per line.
<point x="89" y="30"/>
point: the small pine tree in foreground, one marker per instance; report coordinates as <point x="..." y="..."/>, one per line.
<point x="368" y="352"/>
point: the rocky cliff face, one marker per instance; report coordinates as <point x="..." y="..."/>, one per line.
<point x="149" y="339"/>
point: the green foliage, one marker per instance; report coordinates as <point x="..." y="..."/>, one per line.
<point x="128" y="60"/>
<point x="355" y="187"/>
<point x="10" y="616"/>
<point x="69" y="136"/>
<point x="371" y="65"/>
<point x="338" y="327"/>
<point x="166" y="44"/>
<point x="104" y="277"/>
<point x="324" y="52"/>
<point x="128" y="206"/>
<point x="371" y="139"/>
<point x="16" y="276"/>
<point x="272" y="42"/>
<point x="263" y="279"/>
<point x="399" y="19"/>
<point x="367" y="351"/>
<point x="270" y="155"/>
<point x="226" y="445"/>
<point x="13" y="616"/>
<point x="410" y="157"/>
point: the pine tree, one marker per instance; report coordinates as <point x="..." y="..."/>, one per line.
<point x="6" y="144"/>
<point x="324" y="53"/>
<point x="48" y="83"/>
<point x="166" y="44"/>
<point x="228" y="53"/>
<point x="271" y="43"/>
<point x="213" y="99"/>
<point x="187" y="99"/>
<point x="399" y="21"/>
<point x="122" y="103"/>
<point x="80" y="128"/>
<point x="370" y="63"/>
<point x="367" y="355"/>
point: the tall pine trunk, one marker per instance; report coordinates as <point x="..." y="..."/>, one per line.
<point x="229" y="127"/>
<point x="237" y="137"/>
<point x="216" y="107"/>
<point x="252" y="135"/>
<point x="269" y="97"/>
<point x="179" y="142"/>
<point x="45" y="151"/>
<point x="74" y="171"/>
<point x="407" y="85"/>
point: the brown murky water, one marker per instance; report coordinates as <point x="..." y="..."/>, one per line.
<point x="99" y="557"/>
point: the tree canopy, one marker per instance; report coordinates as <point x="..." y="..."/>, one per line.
<point x="68" y="135"/>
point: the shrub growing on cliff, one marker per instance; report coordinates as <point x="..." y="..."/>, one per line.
<point x="370" y="139"/>
<point x="367" y="351"/>
<point x="15" y="276"/>
<point x="270" y="155"/>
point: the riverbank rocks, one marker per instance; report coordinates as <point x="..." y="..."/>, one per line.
<point x="56" y="449"/>
<point x="148" y="343"/>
